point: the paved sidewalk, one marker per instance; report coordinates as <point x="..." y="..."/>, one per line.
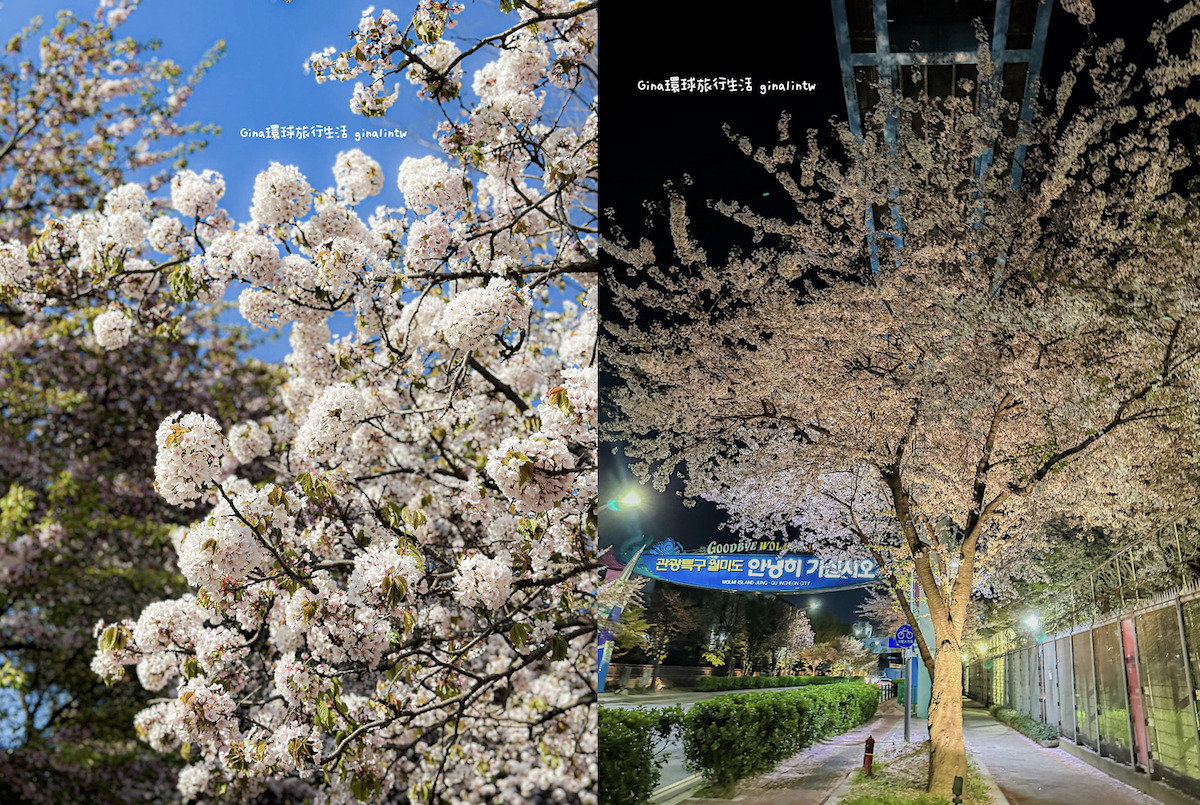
<point x="808" y="777"/>
<point x="1031" y="775"/>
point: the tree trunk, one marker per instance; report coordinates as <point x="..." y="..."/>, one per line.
<point x="947" y="751"/>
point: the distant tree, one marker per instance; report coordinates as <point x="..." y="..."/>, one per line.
<point x="852" y="657"/>
<point x="632" y="631"/>
<point x="793" y="635"/>
<point x="881" y="608"/>
<point x="670" y="618"/>
<point x="817" y="657"/>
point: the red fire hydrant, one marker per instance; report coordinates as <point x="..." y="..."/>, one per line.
<point x="869" y="755"/>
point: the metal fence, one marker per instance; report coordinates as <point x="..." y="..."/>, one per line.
<point x="1124" y="686"/>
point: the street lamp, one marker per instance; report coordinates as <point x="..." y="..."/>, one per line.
<point x="629" y="500"/>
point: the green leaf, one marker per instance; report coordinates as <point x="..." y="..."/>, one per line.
<point x="558" y="396"/>
<point x="558" y="648"/>
<point x="393" y="515"/>
<point x="114" y="638"/>
<point x="393" y="590"/>
<point x="524" y="476"/>
<point x="324" y="717"/>
<point x="518" y="634"/>
<point x="415" y="518"/>
<point x="363" y="788"/>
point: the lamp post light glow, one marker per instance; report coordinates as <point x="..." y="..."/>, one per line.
<point x="630" y="499"/>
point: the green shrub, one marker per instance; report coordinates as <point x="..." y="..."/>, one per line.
<point x="629" y="769"/>
<point x="735" y="736"/>
<point x="710" y="683"/>
<point x="1031" y="727"/>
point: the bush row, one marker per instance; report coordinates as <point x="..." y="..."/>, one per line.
<point x="1030" y="727"/>
<point x="735" y="736"/>
<point x="751" y="682"/>
<point x="630" y="766"/>
<point x="726" y="738"/>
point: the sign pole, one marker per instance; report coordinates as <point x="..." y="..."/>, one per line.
<point x="905" y="637"/>
<point x="908" y="664"/>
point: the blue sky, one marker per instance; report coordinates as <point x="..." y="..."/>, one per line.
<point x="261" y="81"/>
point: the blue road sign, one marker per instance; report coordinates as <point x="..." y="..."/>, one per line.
<point x="905" y="637"/>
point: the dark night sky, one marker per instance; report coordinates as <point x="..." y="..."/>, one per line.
<point x="655" y="138"/>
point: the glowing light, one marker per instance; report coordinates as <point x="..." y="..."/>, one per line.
<point x="631" y="499"/>
<point x="1032" y="621"/>
<point x="982" y="648"/>
<point x="966" y="658"/>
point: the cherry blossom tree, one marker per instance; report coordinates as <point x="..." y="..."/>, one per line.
<point x="793" y="635"/>
<point x="84" y="535"/>
<point x="881" y="609"/>
<point x="402" y="606"/>
<point x="816" y="657"/>
<point x="1014" y="356"/>
<point x="851" y="657"/>
<point x="81" y="108"/>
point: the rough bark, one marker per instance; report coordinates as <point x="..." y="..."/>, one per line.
<point x="947" y="750"/>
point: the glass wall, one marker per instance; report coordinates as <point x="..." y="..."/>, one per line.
<point x="1050" y="682"/>
<point x="1080" y="684"/>
<point x="1110" y="692"/>
<point x="1085" y="690"/>
<point x="1033" y="673"/>
<point x="1168" y="696"/>
<point x="998" y="680"/>
<point x="1066" y="688"/>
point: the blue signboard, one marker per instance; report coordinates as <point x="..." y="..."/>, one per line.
<point x="905" y="637"/>
<point x="789" y="573"/>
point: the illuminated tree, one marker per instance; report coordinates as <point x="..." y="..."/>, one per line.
<point x="1014" y="356"/>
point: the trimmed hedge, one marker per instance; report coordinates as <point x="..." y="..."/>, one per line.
<point x="1029" y="727"/>
<point x="629" y="770"/>
<point x="706" y="683"/>
<point x="742" y="734"/>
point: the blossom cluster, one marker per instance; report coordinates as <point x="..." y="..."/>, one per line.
<point x="405" y="543"/>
